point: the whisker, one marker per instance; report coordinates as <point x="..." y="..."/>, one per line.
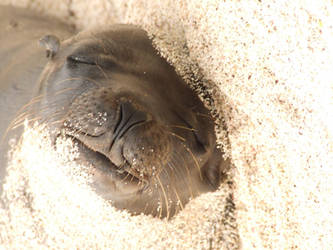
<point x="160" y="207"/>
<point x="22" y="116"/>
<point x="78" y="78"/>
<point x="145" y="209"/>
<point x="28" y="113"/>
<point x="179" y="200"/>
<point x="29" y="120"/>
<point x="194" y="159"/>
<point x="183" y="127"/>
<point x="32" y="101"/>
<point x="132" y="178"/>
<point x="19" y="117"/>
<point x="173" y="172"/>
<point x="127" y="175"/>
<point x="62" y="91"/>
<point x="192" y="155"/>
<point x="7" y="131"/>
<point x="178" y="171"/>
<point x="56" y="122"/>
<point x="204" y="115"/>
<point x="19" y="120"/>
<point x="177" y="136"/>
<point x="164" y="170"/>
<point x="165" y="196"/>
<point x="188" y="179"/>
<point x="17" y="124"/>
<point x="47" y="119"/>
<point x="103" y="72"/>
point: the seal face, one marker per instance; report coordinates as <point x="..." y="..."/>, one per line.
<point x="148" y="137"/>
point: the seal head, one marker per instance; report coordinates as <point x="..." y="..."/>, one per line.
<point x="148" y="138"/>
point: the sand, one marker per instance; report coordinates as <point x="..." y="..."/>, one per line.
<point x="265" y="71"/>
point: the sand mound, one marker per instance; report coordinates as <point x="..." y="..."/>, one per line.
<point x="265" y="70"/>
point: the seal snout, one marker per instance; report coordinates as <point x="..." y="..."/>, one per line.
<point x="129" y="117"/>
<point x="119" y="128"/>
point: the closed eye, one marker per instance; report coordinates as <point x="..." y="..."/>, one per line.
<point x="94" y="60"/>
<point x="81" y="59"/>
<point x="194" y="132"/>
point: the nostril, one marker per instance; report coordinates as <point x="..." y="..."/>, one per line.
<point x="129" y="117"/>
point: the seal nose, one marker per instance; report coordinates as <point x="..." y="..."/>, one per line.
<point x="128" y="118"/>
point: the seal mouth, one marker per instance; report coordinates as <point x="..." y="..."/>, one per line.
<point x="115" y="180"/>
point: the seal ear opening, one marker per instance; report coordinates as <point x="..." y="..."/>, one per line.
<point x="51" y="43"/>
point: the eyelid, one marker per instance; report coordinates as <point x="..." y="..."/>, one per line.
<point x="82" y="59"/>
<point x="98" y="59"/>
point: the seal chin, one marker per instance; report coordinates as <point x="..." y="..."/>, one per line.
<point x="127" y="158"/>
<point x="112" y="182"/>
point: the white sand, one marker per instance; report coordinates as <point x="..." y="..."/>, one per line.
<point x="269" y="71"/>
<point x="50" y="204"/>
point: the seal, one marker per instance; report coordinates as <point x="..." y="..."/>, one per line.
<point x="22" y="61"/>
<point x="144" y="133"/>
